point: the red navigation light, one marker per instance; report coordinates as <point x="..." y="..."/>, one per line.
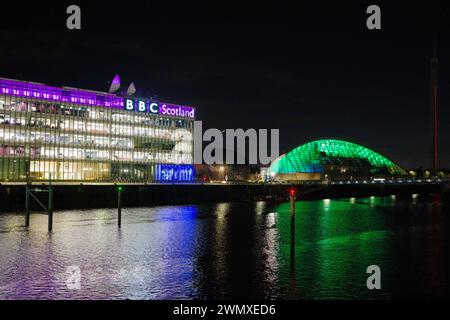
<point x="292" y="192"/>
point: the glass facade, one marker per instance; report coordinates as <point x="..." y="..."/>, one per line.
<point x="337" y="159"/>
<point x="91" y="139"/>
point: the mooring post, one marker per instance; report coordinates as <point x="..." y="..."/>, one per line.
<point x="27" y="205"/>
<point x="27" y="194"/>
<point x="50" y="208"/>
<point x="119" y="206"/>
<point x="50" y="204"/>
<point x="292" y="193"/>
<point x="292" y="200"/>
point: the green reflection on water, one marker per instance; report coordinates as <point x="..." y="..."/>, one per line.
<point x="335" y="242"/>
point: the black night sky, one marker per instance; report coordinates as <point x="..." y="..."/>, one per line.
<point x="312" y="70"/>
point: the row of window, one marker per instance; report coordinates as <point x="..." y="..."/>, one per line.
<point x="17" y="170"/>
<point x="66" y="137"/>
<point x="180" y="139"/>
<point x="69" y="124"/>
<point x="95" y="113"/>
<point x="93" y="154"/>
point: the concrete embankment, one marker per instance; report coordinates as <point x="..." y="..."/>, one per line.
<point x="84" y="196"/>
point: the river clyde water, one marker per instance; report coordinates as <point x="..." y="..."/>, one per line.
<point x="239" y="250"/>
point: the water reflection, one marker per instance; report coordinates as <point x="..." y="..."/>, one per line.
<point x="336" y="240"/>
<point x="232" y="250"/>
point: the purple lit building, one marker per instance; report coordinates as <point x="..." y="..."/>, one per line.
<point x="68" y="134"/>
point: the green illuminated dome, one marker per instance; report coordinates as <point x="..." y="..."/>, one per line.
<point x="336" y="158"/>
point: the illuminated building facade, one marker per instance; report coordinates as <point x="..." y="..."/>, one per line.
<point x="331" y="159"/>
<point x="68" y="134"/>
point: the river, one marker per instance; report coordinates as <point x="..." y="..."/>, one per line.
<point x="239" y="250"/>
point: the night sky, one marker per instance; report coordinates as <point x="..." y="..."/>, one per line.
<point x="313" y="70"/>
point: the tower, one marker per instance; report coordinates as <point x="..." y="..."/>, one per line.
<point x="434" y="106"/>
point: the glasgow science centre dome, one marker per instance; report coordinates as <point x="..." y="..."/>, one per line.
<point x="334" y="160"/>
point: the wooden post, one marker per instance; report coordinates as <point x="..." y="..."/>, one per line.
<point x="27" y="205"/>
<point x="292" y="197"/>
<point x="119" y="207"/>
<point x="27" y="194"/>
<point x="50" y="208"/>
<point x="292" y="200"/>
<point x="292" y="278"/>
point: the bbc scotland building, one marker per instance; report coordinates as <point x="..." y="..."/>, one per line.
<point x="69" y="134"/>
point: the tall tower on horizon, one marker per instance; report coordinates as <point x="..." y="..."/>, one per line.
<point x="434" y="105"/>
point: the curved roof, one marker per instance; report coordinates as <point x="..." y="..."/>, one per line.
<point x="312" y="157"/>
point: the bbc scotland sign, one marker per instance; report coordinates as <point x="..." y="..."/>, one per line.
<point x="167" y="109"/>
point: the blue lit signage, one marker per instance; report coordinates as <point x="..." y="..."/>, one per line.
<point x="174" y="172"/>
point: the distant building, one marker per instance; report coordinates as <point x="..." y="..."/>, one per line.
<point x="69" y="134"/>
<point x="332" y="159"/>
<point x="228" y="173"/>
